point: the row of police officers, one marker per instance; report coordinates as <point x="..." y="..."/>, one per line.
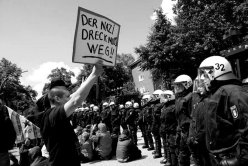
<point x="202" y="122"/>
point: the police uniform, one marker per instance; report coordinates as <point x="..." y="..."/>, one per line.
<point x="115" y="121"/>
<point x="131" y="120"/>
<point x="141" y="123"/>
<point x="122" y="114"/>
<point x="227" y="123"/>
<point x="148" y="125"/>
<point x="168" y="132"/>
<point x="106" y="118"/>
<point x="155" y="127"/>
<point x="183" y="111"/>
<point x="196" y="140"/>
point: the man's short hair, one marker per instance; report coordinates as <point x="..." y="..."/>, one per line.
<point x="56" y="82"/>
<point x="56" y="90"/>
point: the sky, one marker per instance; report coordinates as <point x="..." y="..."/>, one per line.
<point x="37" y="35"/>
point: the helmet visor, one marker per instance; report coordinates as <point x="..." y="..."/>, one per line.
<point x="206" y="73"/>
<point x="156" y="96"/>
<point x="199" y="86"/>
<point x="179" y="87"/>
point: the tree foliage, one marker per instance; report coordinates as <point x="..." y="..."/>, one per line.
<point x="111" y="81"/>
<point x="62" y="74"/>
<point x="15" y="95"/>
<point x="200" y="26"/>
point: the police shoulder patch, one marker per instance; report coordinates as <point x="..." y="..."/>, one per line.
<point x="234" y="111"/>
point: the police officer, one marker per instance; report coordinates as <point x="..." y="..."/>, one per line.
<point x="148" y="120"/>
<point x="81" y="117"/>
<point x="226" y="113"/>
<point x="122" y="114"/>
<point x="141" y="123"/>
<point x="183" y="90"/>
<point x="96" y="116"/>
<point x="156" y="122"/>
<point x="196" y="139"/>
<point x="106" y="116"/>
<point x="115" y="118"/>
<point x="131" y="120"/>
<point x="168" y="128"/>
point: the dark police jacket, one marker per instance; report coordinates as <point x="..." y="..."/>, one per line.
<point x="183" y="110"/>
<point x="148" y="114"/>
<point x="131" y="117"/>
<point x="141" y="118"/>
<point x="227" y="120"/>
<point x="156" y="116"/>
<point x="197" y="125"/>
<point x="168" y="118"/>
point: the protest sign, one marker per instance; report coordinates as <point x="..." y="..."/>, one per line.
<point x="96" y="38"/>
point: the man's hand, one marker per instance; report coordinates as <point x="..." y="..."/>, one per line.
<point x="98" y="69"/>
<point x="82" y="92"/>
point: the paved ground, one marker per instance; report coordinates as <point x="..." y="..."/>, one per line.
<point x="146" y="160"/>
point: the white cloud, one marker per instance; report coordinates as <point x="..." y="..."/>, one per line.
<point x="167" y="6"/>
<point x="38" y="76"/>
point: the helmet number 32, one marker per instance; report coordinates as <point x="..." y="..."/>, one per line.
<point x="220" y="67"/>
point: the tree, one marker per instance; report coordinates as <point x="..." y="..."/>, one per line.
<point x="198" y="33"/>
<point x="15" y="95"/>
<point x="158" y="55"/>
<point x="59" y="73"/>
<point x="62" y="74"/>
<point x="111" y="80"/>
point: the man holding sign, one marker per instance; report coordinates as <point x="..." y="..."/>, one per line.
<point x="57" y="132"/>
<point x="96" y="37"/>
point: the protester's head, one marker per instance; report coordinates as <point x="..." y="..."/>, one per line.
<point x="102" y="127"/>
<point x="85" y="136"/>
<point x="78" y="130"/>
<point x="58" y="93"/>
<point x="126" y="132"/>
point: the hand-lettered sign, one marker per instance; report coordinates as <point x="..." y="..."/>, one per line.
<point x="96" y="38"/>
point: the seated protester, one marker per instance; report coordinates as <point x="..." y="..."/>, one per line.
<point x="114" y="137"/>
<point x="36" y="158"/>
<point x="103" y="142"/>
<point x="86" y="147"/>
<point x="88" y="128"/>
<point x="78" y="131"/>
<point x="24" y="159"/>
<point x="126" y="149"/>
<point x="13" y="160"/>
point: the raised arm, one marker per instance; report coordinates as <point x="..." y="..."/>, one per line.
<point x="82" y="92"/>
